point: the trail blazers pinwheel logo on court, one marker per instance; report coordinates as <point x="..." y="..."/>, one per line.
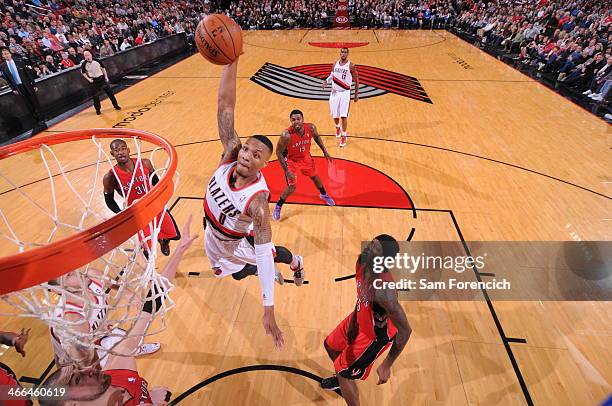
<point x="304" y="82"/>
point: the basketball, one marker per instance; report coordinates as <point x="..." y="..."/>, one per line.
<point x="219" y="39"/>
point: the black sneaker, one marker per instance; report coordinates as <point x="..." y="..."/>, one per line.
<point x="164" y="246"/>
<point x="330" y="383"/>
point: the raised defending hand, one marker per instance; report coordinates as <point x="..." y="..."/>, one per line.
<point x="21" y="340"/>
<point x="186" y="238"/>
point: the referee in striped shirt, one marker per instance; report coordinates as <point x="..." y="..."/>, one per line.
<point x="94" y="71"/>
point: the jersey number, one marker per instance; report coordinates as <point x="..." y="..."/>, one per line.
<point x="302" y="149"/>
<point x="343" y="75"/>
<point x="222" y="218"/>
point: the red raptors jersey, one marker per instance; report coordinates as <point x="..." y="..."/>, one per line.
<point x="133" y="383"/>
<point x="367" y="310"/>
<point x="298" y="148"/>
<point x="141" y="184"/>
<point x="8" y="381"/>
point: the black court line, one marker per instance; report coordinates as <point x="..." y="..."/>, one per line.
<point x="344" y="278"/>
<point x="355" y="49"/>
<point x="41" y="378"/>
<point x="524" y="74"/>
<point x="302" y="39"/>
<point x="195" y="77"/>
<point x="193" y="274"/>
<point x="376" y="36"/>
<point x="477" y="80"/>
<point x="505" y="340"/>
<point x="500" y="329"/>
<point x="251" y="368"/>
<point x="377" y="139"/>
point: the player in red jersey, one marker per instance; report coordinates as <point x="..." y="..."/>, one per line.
<point x="119" y="383"/>
<point x="136" y="179"/>
<point x="8" y="379"/>
<point x="293" y="153"/>
<point x="377" y="321"/>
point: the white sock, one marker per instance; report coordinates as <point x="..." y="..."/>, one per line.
<point x="344" y="133"/>
<point x="294" y="262"/>
<point x="337" y="125"/>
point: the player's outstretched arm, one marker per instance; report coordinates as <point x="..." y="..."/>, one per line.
<point x="225" y="113"/>
<point x="320" y="143"/>
<point x="353" y="69"/>
<point x="264" y="252"/>
<point x="110" y="183"/>
<point x="154" y="303"/>
<point x="387" y="298"/>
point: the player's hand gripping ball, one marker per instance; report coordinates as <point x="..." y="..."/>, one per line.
<point x="219" y="39"/>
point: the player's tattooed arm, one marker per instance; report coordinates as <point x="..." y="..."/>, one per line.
<point x="281" y="146"/>
<point x="110" y="184"/>
<point x="319" y="141"/>
<point x="225" y="113"/>
<point x="260" y="213"/>
<point x="353" y="69"/>
<point x="387" y="298"/>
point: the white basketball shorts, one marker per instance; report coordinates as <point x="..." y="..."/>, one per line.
<point x="339" y="103"/>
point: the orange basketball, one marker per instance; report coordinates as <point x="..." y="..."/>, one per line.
<point x="219" y="39"/>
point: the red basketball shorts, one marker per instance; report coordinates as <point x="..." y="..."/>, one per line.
<point x="306" y="167"/>
<point x="356" y="359"/>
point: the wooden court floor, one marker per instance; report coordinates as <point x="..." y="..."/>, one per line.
<point x="494" y="157"/>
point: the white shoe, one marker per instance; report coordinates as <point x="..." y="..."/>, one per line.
<point x="279" y="278"/>
<point x="148" y="348"/>
<point x="588" y="92"/>
<point x="597" y="97"/>
<point x="298" y="271"/>
<point x="608" y="117"/>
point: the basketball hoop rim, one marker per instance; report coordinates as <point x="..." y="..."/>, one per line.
<point x="38" y="265"/>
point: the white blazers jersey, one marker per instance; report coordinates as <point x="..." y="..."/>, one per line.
<point x="226" y="208"/>
<point x="342" y="77"/>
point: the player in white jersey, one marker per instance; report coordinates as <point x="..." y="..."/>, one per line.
<point x="341" y="78"/>
<point x="236" y="198"/>
<point x="74" y="311"/>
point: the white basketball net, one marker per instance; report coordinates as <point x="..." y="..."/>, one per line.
<point x="106" y="293"/>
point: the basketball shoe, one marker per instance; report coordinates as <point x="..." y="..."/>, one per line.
<point x="298" y="271"/>
<point x="343" y="141"/>
<point x="327" y="199"/>
<point x="330" y="383"/>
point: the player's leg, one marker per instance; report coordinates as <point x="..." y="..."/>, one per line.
<point x="246" y="253"/>
<point x="169" y="231"/>
<point x="349" y="390"/>
<point x="344" y="104"/>
<point x="336" y="344"/>
<point x="289" y="189"/>
<point x="323" y="193"/>
<point x="333" y="108"/>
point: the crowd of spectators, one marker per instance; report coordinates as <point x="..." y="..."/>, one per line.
<point x="568" y="40"/>
<point x="51" y="35"/>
